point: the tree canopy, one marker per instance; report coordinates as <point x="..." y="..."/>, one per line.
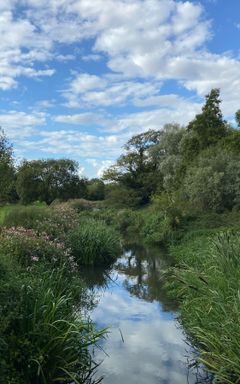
<point x="7" y="171"/>
<point x="46" y="180"/>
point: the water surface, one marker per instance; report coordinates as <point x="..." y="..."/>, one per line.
<point x="145" y="344"/>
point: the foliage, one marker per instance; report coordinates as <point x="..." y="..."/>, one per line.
<point x="18" y="215"/>
<point x="156" y="227"/>
<point x="119" y="196"/>
<point x="46" y="180"/>
<point x="237" y="116"/>
<point x="25" y="247"/>
<point x="94" y="243"/>
<point x="7" y="172"/>
<point x="208" y="127"/>
<point x="135" y="170"/>
<point x="42" y="340"/>
<point x="221" y="170"/>
<point x="95" y="189"/>
<point x="207" y="282"/>
<point x="54" y="222"/>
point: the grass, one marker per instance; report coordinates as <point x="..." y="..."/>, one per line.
<point x="206" y="281"/>
<point x="44" y="337"/>
<point x="93" y="242"/>
<point x="43" y="340"/>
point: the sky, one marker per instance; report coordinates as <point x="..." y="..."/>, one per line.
<point x="78" y="78"/>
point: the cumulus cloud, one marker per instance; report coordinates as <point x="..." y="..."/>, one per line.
<point x="117" y="59"/>
<point x="20" y="124"/>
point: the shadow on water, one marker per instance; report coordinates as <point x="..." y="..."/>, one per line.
<point x="145" y="343"/>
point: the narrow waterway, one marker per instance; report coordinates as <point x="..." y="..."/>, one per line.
<point x="145" y="344"/>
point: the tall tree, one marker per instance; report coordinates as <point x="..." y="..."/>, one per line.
<point x="207" y="128"/>
<point x="7" y="172"/>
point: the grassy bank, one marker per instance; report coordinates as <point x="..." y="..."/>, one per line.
<point x="205" y="279"/>
<point x="44" y="334"/>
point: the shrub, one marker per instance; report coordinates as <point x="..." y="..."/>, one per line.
<point x="55" y="222"/>
<point x="25" y="247"/>
<point x="128" y="221"/>
<point x="156" y="227"/>
<point x="94" y="243"/>
<point x="21" y="216"/>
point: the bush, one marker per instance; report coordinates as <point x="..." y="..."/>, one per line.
<point x="156" y="227"/>
<point x="26" y="248"/>
<point x="94" y="243"/>
<point x="21" y="216"/>
<point x="54" y="222"/>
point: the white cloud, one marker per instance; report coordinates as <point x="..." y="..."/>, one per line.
<point x="91" y="90"/>
<point x="80" y="118"/>
<point x="20" y="124"/>
<point x="157" y="39"/>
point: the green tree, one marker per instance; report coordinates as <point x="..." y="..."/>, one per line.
<point x="207" y="128"/>
<point x="213" y="181"/>
<point x="46" y="180"/>
<point x="7" y="171"/>
<point x="95" y="189"/>
<point x="237" y="117"/>
<point x="168" y="156"/>
<point x="135" y="169"/>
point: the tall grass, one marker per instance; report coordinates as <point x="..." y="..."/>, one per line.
<point x="94" y="243"/>
<point x="42" y="339"/>
<point x="207" y="282"/>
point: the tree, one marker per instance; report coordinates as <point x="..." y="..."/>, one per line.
<point x="46" y="180"/>
<point x="7" y="171"/>
<point x="237" y="117"/>
<point x="95" y="189"/>
<point x="213" y="181"/>
<point x="207" y="128"/>
<point x="136" y="168"/>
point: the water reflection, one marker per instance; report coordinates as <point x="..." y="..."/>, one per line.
<point x="145" y="343"/>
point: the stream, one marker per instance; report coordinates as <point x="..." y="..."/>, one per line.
<point x="145" y="343"/>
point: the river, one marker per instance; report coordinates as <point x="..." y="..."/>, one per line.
<point x="145" y="344"/>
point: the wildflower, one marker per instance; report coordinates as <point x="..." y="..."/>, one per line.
<point x="34" y="258"/>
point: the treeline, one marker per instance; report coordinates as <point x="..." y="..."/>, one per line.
<point x="43" y="180"/>
<point x="197" y="166"/>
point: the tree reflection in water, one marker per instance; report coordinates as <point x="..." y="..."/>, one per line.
<point x="143" y="269"/>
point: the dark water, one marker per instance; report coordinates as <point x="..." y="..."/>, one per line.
<point x="145" y="344"/>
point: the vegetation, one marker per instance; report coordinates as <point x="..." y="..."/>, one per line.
<point x="207" y="284"/>
<point x="94" y="243"/>
<point x="46" y="180"/>
<point x="179" y="186"/>
<point x="44" y="335"/>
<point x="42" y="339"/>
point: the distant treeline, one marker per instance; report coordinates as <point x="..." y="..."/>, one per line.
<point x="197" y="165"/>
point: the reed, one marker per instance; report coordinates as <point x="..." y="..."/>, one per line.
<point x="93" y="242"/>
<point x="207" y="283"/>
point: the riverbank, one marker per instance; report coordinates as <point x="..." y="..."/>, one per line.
<point x="204" y="280"/>
<point x="45" y="334"/>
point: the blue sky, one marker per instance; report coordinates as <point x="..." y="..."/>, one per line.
<point x="79" y="77"/>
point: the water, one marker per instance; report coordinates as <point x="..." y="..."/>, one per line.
<point x="145" y="344"/>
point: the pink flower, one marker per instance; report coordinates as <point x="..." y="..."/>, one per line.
<point x="34" y="258"/>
